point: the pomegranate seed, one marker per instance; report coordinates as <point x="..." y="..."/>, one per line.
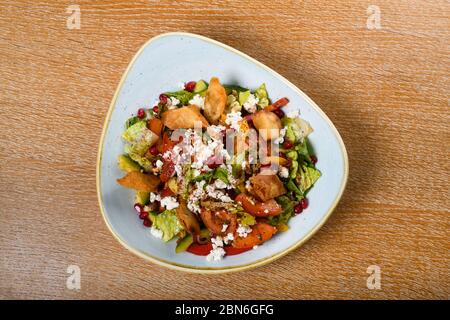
<point x="155" y="109"/>
<point x="298" y="209"/>
<point x="141" y="113"/>
<point x="189" y="86"/>
<point x="138" y="207"/>
<point x="304" y="203"/>
<point x="147" y="223"/>
<point x="287" y="144"/>
<point x="163" y="98"/>
<point x="279" y="113"/>
<point x="213" y="162"/>
<point x="313" y="159"/>
<point x="143" y="215"/>
<point x="154" y="150"/>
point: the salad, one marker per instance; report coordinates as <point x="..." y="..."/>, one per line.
<point x="220" y="168"/>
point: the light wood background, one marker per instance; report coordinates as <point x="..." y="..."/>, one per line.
<point x="387" y="91"/>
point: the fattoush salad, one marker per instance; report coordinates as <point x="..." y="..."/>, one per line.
<point x="220" y="168"/>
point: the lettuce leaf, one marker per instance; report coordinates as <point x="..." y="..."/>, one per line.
<point x="140" y="138"/>
<point x="297" y="129"/>
<point x="306" y="177"/>
<point x="288" y="210"/>
<point x="182" y="95"/>
<point x="263" y="97"/>
<point x="168" y="223"/>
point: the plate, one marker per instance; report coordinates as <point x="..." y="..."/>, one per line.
<point x="160" y="65"/>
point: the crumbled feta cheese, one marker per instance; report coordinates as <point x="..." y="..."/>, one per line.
<point x="159" y="164"/>
<point x="219" y="184"/>
<point x="248" y="185"/>
<point x="229" y="237"/>
<point x="174" y="101"/>
<point x="284" y="172"/>
<point x="216" y="254"/>
<point x="266" y="211"/>
<point x="217" y="194"/>
<point x="255" y="247"/>
<point x="233" y="119"/>
<point x="243" y="231"/>
<point x="198" y="100"/>
<point x="280" y="138"/>
<point x="169" y="203"/>
<point x="154" y="197"/>
<point x="217" y="251"/>
<point x="293" y="114"/>
<point x="156" y="232"/>
<point x="224" y="227"/>
<point x="250" y="104"/>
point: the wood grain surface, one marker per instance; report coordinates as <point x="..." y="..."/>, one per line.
<point x="386" y="90"/>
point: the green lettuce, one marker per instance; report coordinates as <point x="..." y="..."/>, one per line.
<point x="306" y="177"/>
<point x="263" y="97"/>
<point x="182" y="95"/>
<point x="168" y="223"/>
<point x="245" y="219"/>
<point x="288" y="210"/>
<point x="297" y="129"/>
<point x="140" y="138"/>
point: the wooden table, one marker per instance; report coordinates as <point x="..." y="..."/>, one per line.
<point x="385" y="89"/>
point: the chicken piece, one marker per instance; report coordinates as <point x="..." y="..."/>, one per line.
<point x="140" y="181"/>
<point x="267" y="186"/>
<point x="215" y="101"/>
<point x="214" y="221"/>
<point x="184" y="118"/>
<point x="268" y="124"/>
<point x="188" y="219"/>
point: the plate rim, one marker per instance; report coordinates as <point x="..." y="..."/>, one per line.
<point x="227" y="269"/>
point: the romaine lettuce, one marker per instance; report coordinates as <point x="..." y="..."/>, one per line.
<point x="168" y="223"/>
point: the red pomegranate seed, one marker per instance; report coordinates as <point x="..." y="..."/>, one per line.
<point x="154" y="150"/>
<point x="147" y="223"/>
<point x="155" y="109"/>
<point x="143" y="215"/>
<point x="213" y="162"/>
<point x="189" y="86"/>
<point x="138" y="207"/>
<point x="287" y="144"/>
<point x="298" y="208"/>
<point x="279" y="113"/>
<point x="313" y="159"/>
<point x="163" y="98"/>
<point x="141" y="113"/>
<point x="304" y="203"/>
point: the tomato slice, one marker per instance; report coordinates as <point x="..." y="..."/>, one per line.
<point x="259" y="209"/>
<point x="166" y="192"/>
<point x="200" y="249"/>
<point x="231" y="251"/>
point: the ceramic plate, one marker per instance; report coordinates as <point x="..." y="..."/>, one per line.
<point x="159" y="66"/>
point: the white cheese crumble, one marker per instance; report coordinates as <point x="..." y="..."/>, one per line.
<point x="219" y="184"/>
<point x="250" y="104"/>
<point x="255" y="247"/>
<point x="174" y="101"/>
<point x="229" y="237"/>
<point x="243" y="231"/>
<point x="224" y="227"/>
<point x="280" y="138"/>
<point x="156" y="232"/>
<point x="293" y="114"/>
<point x="217" y="194"/>
<point x="284" y="172"/>
<point x="217" y="252"/>
<point x="154" y="197"/>
<point x="233" y="119"/>
<point x="169" y="203"/>
<point x="198" y="100"/>
<point x="159" y="164"/>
